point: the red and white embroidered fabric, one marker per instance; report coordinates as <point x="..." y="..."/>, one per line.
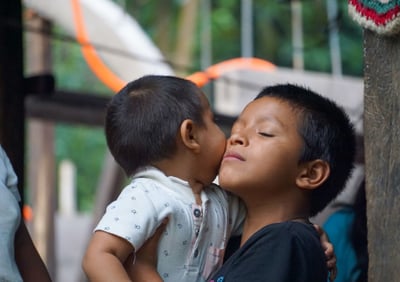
<point x="381" y="16"/>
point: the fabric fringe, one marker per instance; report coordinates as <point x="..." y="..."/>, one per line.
<point x="380" y="16"/>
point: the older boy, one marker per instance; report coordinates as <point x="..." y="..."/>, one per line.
<point x="290" y="153"/>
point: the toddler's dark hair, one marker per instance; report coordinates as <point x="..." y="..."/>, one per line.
<point x="144" y="117"/>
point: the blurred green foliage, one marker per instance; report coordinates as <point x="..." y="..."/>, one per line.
<point x="272" y="29"/>
<point x="85" y="147"/>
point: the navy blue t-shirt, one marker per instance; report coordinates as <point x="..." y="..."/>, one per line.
<point x="282" y="252"/>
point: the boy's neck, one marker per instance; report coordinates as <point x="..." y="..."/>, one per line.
<point x="259" y="216"/>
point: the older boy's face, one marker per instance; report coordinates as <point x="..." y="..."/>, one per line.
<point x="263" y="151"/>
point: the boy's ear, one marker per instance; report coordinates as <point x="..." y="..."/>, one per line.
<point x="188" y="131"/>
<point x="313" y="174"/>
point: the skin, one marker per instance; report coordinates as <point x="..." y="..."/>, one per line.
<point x="30" y="264"/>
<point x="261" y="165"/>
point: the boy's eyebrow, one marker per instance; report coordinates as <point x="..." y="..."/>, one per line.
<point x="240" y="121"/>
<point x="272" y="120"/>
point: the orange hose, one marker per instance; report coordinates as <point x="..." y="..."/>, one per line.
<point x="217" y="70"/>
<point x="92" y="58"/>
<point x="115" y="83"/>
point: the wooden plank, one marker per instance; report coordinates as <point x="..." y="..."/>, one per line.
<point x="43" y="189"/>
<point x="40" y="148"/>
<point x="69" y="107"/>
<point x="83" y="108"/>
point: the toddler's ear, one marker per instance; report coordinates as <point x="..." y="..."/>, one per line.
<point x="188" y="134"/>
<point x="313" y="174"/>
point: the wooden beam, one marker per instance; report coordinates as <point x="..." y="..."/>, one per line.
<point x="68" y="107"/>
<point x="83" y="108"/>
<point x="40" y="147"/>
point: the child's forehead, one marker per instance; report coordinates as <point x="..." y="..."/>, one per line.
<point x="267" y="105"/>
<point x="270" y="110"/>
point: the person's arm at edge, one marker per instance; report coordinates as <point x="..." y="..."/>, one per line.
<point x="29" y="262"/>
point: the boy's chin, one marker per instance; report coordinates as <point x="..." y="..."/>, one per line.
<point x="226" y="183"/>
<point x="226" y="174"/>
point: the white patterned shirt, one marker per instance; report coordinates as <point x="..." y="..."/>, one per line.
<point x="192" y="246"/>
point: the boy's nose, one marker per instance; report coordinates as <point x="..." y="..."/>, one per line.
<point x="237" y="139"/>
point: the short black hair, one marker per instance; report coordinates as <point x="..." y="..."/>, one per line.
<point x="143" y="119"/>
<point x="327" y="133"/>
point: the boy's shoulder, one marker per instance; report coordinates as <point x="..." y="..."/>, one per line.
<point x="293" y="249"/>
<point x="292" y="229"/>
<point x="289" y="233"/>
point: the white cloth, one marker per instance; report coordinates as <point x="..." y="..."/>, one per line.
<point x="192" y="247"/>
<point x="10" y="218"/>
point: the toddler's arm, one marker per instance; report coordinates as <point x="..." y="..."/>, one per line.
<point x="104" y="257"/>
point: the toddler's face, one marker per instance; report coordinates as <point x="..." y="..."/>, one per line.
<point x="213" y="142"/>
<point x="263" y="151"/>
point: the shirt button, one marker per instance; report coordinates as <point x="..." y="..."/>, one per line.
<point x="197" y="212"/>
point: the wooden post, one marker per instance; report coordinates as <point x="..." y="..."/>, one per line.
<point x="185" y="39"/>
<point x="297" y="34"/>
<point x="382" y="154"/>
<point x="41" y="164"/>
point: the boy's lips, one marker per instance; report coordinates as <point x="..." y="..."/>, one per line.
<point x="233" y="155"/>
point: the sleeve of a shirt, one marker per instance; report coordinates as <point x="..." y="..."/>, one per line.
<point x="8" y="177"/>
<point x="136" y="214"/>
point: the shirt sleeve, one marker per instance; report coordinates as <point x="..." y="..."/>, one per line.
<point x="8" y="178"/>
<point x="137" y="213"/>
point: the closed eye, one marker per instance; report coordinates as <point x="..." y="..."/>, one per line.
<point x="265" y="134"/>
